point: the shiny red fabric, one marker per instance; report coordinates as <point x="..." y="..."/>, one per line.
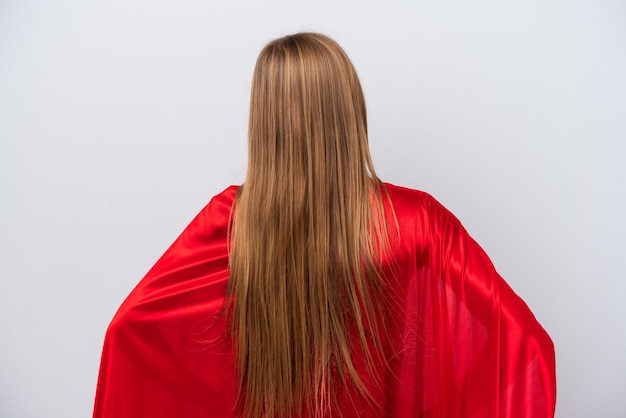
<point x="467" y="345"/>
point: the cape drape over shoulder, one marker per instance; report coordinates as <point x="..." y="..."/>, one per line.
<point x="467" y="345"/>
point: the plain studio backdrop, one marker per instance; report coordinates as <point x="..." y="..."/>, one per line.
<point x="120" y="119"/>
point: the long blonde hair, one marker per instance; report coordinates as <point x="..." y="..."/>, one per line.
<point x="307" y="237"/>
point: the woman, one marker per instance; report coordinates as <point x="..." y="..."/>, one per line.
<point x="317" y="290"/>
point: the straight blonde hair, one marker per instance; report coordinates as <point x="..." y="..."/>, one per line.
<point x="307" y="236"/>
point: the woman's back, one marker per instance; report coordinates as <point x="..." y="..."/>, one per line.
<point x="463" y="343"/>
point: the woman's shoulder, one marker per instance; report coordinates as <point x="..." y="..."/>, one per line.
<point x="213" y="218"/>
<point x="419" y="211"/>
<point x="404" y="191"/>
<point x="405" y="198"/>
<point x="225" y="196"/>
<point x="221" y="202"/>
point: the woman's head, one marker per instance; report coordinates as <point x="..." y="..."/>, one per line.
<point x="307" y="113"/>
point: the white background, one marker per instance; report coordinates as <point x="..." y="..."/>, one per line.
<point x="120" y="119"/>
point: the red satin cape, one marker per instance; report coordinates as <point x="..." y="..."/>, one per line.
<point x="467" y="345"/>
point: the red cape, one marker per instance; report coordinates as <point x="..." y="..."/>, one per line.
<point x="468" y="346"/>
